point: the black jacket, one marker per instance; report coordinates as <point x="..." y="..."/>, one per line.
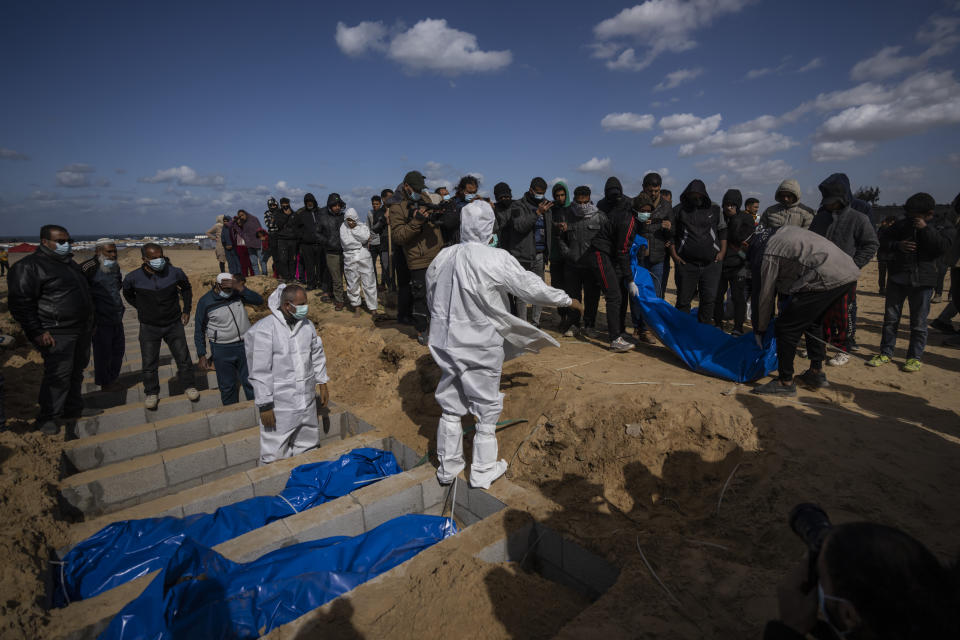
<point x="656" y="235"/>
<point x="917" y="269"/>
<point x="612" y="196"/>
<point x="698" y="231"/>
<point x="105" y="289"/>
<point x="516" y="231"/>
<point x="157" y="295"/>
<point x="378" y="225"/>
<point x="739" y="227"/>
<point x="48" y="292"/>
<point x="309" y="222"/>
<point x="577" y="239"/>
<point x="615" y="237"/>
<point x="288" y="226"/>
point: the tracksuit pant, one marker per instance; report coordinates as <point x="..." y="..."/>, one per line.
<point x="109" y="346"/>
<point x="230" y="361"/>
<point x="804" y="313"/>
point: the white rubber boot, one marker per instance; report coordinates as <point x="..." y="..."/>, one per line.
<point x="485" y="468"/>
<point x="449" y="448"/>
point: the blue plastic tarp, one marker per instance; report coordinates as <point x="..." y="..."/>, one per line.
<point x="201" y="594"/>
<point x="126" y="550"/>
<point x="704" y="348"/>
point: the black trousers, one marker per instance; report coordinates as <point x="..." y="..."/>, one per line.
<point x="941" y="276"/>
<point x="558" y="275"/>
<point x="285" y="258"/>
<point x="314" y="264"/>
<point x="404" y="296"/>
<point x="418" y="295"/>
<point x="882" y="268"/>
<point x="109" y="345"/>
<point x="803" y="313"/>
<point x="580" y="284"/>
<point x="63" y="366"/>
<point x="150" y="338"/>
<point x="693" y="278"/>
<point x="731" y="277"/>
<point x="605" y="278"/>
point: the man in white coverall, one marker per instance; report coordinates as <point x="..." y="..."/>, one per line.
<point x="288" y="371"/>
<point x="357" y="263"/>
<point x="472" y="332"/>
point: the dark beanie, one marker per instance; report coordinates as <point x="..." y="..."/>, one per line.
<point x="921" y="203"/>
<point x="538" y="183"/>
<point x="582" y="190"/>
<point x="415" y="180"/>
<point x="334" y="199"/>
<point x="502" y="190"/>
<point x="642" y="200"/>
<point x="652" y="180"/>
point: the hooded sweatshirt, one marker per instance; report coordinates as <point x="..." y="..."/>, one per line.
<point x="847" y="228"/>
<point x="613" y="196"/>
<point x="519" y="238"/>
<point x="781" y="215"/>
<point x="700" y="228"/>
<point x="584" y="222"/>
<point x="308" y="221"/>
<point x="739" y="227"/>
<point x="559" y="213"/>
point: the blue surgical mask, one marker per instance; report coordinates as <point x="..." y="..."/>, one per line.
<point x="63" y="248"/>
<point x="469" y="197"/>
<point x="107" y="262"/>
<point x="537" y="196"/>
<point x="300" y="311"/>
<point x="494" y="241"/>
<point x="643" y="216"/>
<point x="224" y="294"/>
<point x="415" y="196"/>
<point x="448" y="196"/>
<point x="157" y="263"/>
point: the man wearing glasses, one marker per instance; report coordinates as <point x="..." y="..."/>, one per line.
<point x="50" y="298"/>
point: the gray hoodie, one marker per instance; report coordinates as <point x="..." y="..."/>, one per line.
<point x="847" y="228"/>
<point x="780" y="215"/>
<point x="797" y="261"/>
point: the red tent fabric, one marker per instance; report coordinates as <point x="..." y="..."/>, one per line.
<point x="23" y="247"/>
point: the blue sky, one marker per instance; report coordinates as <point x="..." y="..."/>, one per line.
<point x="129" y="117"/>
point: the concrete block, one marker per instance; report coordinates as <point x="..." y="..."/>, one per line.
<point x="181" y="431"/>
<point x="435" y="493"/>
<point x="125" y="445"/>
<point x="109" y="487"/>
<point x="481" y="503"/>
<point x="258" y="542"/>
<point x="466" y="517"/>
<point x="495" y="553"/>
<point x="229" y="471"/>
<point x="193" y="461"/>
<point x="341" y="517"/>
<point x="266" y="481"/>
<point x="170" y="408"/>
<point x="380" y="506"/>
<point x="232" y="418"/>
<point x="242" y="446"/>
<point x="192" y="483"/>
<point x="588" y="567"/>
<point x="213" y="501"/>
<point x="547" y="544"/>
<point x="208" y="400"/>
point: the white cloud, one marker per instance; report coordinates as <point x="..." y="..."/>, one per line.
<point x="753" y="172"/>
<point x="664" y="175"/>
<point x="429" y="45"/>
<point x="72" y="179"/>
<point x="355" y="41"/>
<point x="741" y="143"/>
<point x="10" y="154"/>
<point x="185" y="176"/>
<point x="753" y="74"/>
<point x="595" y="164"/>
<point x="658" y="26"/>
<point x="816" y="63"/>
<point x="907" y="174"/>
<point x="103" y="182"/>
<point x="628" y="122"/>
<point x="79" y="167"/>
<point x="826" y="151"/>
<point x="939" y="31"/>
<point x="680" y="128"/>
<point x="920" y="102"/>
<point x="678" y="77"/>
<point x="147" y="202"/>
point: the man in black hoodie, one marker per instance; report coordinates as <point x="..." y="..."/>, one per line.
<point x="331" y="220"/>
<point x="529" y="235"/>
<point x="310" y="222"/>
<point x="50" y="299"/>
<point x="734" y="273"/>
<point x="285" y="240"/>
<point x="698" y="249"/>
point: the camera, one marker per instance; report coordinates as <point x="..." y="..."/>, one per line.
<point x="812" y="525"/>
<point x="434" y="212"/>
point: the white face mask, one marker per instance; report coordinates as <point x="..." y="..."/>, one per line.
<point x="108" y="263"/>
<point x="157" y="263"/>
<point x="62" y="248"/>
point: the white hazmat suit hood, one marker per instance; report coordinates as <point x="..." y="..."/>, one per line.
<point x="472" y="332"/>
<point x="286" y="362"/>
<point x="357" y="264"/>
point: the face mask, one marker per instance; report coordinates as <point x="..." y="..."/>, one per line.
<point x="581" y="209"/>
<point x="415" y="196"/>
<point x="494" y="240"/>
<point x="157" y="263"/>
<point x="448" y="196"/>
<point x="300" y="311"/>
<point x="537" y="196"/>
<point x="107" y="263"/>
<point x="469" y="197"/>
<point x="643" y="216"/>
<point x="225" y="293"/>
<point x="63" y="248"/>
<point x="822" y="597"/>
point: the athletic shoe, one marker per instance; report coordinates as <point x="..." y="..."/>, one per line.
<point x="856" y="348"/>
<point x="839" y="360"/>
<point x="423" y="338"/>
<point x="774" y="388"/>
<point x="802" y="352"/>
<point x="338" y="306"/>
<point x="945" y="327"/>
<point x="878" y="360"/>
<point x="620" y="345"/>
<point x="814" y="379"/>
<point x="192" y="394"/>
<point x="591" y="332"/>
<point x="570" y="332"/>
<point x="645" y="337"/>
<point x="911" y="365"/>
<point x="151" y="402"/>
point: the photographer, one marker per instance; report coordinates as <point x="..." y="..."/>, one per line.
<point x="447" y="217"/>
<point x="865" y="580"/>
<point x="412" y="230"/>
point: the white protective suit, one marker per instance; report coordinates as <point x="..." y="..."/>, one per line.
<point x="286" y="363"/>
<point x="357" y="263"/>
<point x="472" y="332"/>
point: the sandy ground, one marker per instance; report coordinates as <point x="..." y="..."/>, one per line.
<point x="630" y="450"/>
